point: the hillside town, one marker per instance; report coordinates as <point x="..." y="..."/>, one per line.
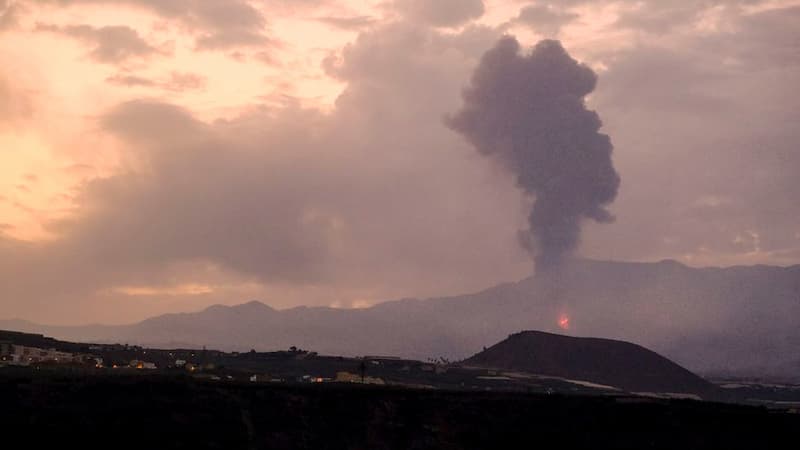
<point x="294" y="365"/>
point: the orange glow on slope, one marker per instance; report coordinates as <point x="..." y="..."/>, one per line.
<point x="563" y="322"/>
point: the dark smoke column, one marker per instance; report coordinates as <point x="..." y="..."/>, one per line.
<point x="528" y="112"/>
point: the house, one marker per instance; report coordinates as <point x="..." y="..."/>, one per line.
<point x="36" y="354"/>
<point x="136" y="364"/>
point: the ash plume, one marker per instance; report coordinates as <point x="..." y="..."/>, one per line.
<point x="528" y="112"/>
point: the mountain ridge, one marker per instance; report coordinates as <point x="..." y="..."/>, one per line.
<point x="736" y="319"/>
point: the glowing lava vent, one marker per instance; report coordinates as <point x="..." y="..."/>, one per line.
<point x="563" y="321"/>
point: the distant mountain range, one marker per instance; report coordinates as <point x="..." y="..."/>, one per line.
<point x="736" y="321"/>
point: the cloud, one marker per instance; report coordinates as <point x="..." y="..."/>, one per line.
<point x="203" y="196"/>
<point x="763" y="40"/>
<point x="219" y="25"/>
<point x="15" y="104"/>
<point x="176" y="81"/>
<point x="348" y="23"/>
<point x="528" y="112"/>
<point x="301" y="6"/>
<point x="441" y="13"/>
<point x="10" y="11"/>
<point x="661" y="17"/>
<point x="234" y="38"/>
<point x="544" y="19"/>
<point x="710" y="120"/>
<point x="182" y="81"/>
<point x="149" y="124"/>
<point x="112" y="44"/>
<point x="131" y="81"/>
<point x="335" y="205"/>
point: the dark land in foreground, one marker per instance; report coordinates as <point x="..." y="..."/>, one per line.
<point x="53" y="409"/>
<point x="532" y="390"/>
<point x="528" y="361"/>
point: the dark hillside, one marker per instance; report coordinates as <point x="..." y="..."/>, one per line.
<point x="603" y="361"/>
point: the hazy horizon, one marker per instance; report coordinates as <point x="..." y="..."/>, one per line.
<point x="266" y="302"/>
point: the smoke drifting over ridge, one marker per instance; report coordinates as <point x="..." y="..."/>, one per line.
<point x="528" y="112"/>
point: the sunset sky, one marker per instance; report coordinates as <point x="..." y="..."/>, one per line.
<point x="165" y="155"/>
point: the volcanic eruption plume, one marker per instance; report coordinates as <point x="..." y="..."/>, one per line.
<point x="528" y="112"/>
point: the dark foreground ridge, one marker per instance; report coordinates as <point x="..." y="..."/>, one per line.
<point x="604" y="361"/>
<point x="56" y="410"/>
<point x="57" y="394"/>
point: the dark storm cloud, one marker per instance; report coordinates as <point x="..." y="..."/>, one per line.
<point x="441" y="13"/>
<point x="112" y="44"/>
<point x="528" y="112"/>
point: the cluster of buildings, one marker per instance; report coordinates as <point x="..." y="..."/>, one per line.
<point x="22" y="349"/>
<point x="21" y="355"/>
<point x="12" y="354"/>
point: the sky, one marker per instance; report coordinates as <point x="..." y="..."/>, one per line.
<point x="165" y="155"/>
